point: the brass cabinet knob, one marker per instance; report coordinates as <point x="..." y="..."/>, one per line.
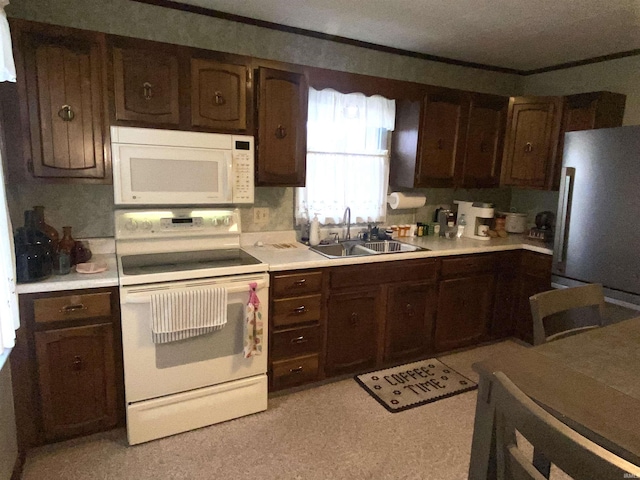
<point x="281" y="132"/>
<point x="147" y="90"/>
<point x="218" y="98"/>
<point x="66" y="113"/>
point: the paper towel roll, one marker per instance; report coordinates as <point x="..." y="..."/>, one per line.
<point x="406" y="200"/>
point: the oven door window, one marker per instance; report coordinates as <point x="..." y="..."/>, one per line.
<point x="225" y="342"/>
<point x="171" y="175"/>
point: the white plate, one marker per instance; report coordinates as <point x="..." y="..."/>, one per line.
<point x="91" y="267"/>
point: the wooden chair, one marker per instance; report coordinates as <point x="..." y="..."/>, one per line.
<point x="562" y="300"/>
<point x="574" y="454"/>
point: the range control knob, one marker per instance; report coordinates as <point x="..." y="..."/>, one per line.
<point x="131" y="225"/>
<point x="227" y="220"/>
<point x="146" y="225"/>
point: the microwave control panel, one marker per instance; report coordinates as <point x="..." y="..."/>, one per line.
<point x="243" y="169"/>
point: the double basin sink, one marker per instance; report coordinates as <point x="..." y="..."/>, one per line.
<point x="356" y="248"/>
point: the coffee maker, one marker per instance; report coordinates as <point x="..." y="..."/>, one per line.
<point x="479" y="216"/>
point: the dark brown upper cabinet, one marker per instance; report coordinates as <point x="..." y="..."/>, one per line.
<point x="218" y="95"/>
<point x="533" y="129"/>
<point x="586" y="111"/>
<point x="60" y="89"/>
<point x="428" y="142"/>
<point x="485" y="141"/>
<point x="146" y="82"/>
<point x="282" y="101"/>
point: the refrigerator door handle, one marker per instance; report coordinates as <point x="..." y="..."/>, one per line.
<point x="564" y="214"/>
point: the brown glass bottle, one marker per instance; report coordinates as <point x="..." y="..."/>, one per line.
<point x="51" y="232"/>
<point x="67" y="242"/>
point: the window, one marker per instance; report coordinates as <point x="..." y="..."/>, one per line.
<point x="347" y="157"/>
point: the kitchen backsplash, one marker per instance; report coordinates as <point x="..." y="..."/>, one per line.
<point x="89" y="208"/>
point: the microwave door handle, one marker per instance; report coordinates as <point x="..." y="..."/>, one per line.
<point x="228" y="185"/>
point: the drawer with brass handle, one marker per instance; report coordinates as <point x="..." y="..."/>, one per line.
<point x="72" y="307"/>
<point x="292" y="311"/>
<point x="470" y="264"/>
<point x="295" y="371"/>
<point x="290" y="285"/>
<point x="293" y="343"/>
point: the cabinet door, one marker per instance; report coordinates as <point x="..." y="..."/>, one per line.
<point x="64" y="102"/>
<point x="464" y="311"/>
<point x="534" y="277"/>
<point x="76" y="377"/>
<point x="146" y="86"/>
<point x="532" y="138"/>
<point x="485" y="141"/>
<point x="352" y="331"/>
<point x="282" y="128"/>
<point x="442" y="134"/>
<point x="409" y="320"/>
<point x="218" y="95"/>
<point x="502" y="324"/>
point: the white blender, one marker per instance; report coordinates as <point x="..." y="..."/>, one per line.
<point x="479" y="216"/>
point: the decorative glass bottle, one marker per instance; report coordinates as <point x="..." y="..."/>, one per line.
<point x="67" y="242"/>
<point x="51" y="232"/>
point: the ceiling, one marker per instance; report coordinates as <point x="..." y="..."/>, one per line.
<point x="515" y="34"/>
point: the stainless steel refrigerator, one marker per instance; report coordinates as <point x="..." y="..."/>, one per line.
<point x="597" y="236"/>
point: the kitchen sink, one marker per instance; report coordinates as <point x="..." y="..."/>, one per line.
<point x="357" y="248"/>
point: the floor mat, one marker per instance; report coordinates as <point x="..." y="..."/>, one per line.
<point x="414" y="384"/>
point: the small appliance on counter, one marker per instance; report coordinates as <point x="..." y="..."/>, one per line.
<point x="543" y="230"/>
<point x="515" y="222"/>
<point x="478" y="216"/>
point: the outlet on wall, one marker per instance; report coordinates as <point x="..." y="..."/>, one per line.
<point x="261" y="215"/>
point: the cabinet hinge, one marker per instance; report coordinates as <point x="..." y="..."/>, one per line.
<point x="30" y="165"/>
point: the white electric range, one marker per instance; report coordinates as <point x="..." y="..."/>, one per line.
<point x="182" y="385"/>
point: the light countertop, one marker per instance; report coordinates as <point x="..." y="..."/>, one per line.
<point x="103" y="250"/>
<point x="282" y="252"/>
<point x="300" y="256"/>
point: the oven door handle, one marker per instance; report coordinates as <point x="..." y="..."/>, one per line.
<point x="145" y="295"/>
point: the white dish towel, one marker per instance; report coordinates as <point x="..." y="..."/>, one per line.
<point x="185" y="314"/>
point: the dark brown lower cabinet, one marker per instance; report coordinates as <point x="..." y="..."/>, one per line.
<point x="464" y="310"/>
<point x="534" y="277"/>
<point x="409" y="321"/>
<point x="67" y="365"/>
<point x="76" y="371"/>
<point x="352" y="331"/>
<point x="507" y="268"/>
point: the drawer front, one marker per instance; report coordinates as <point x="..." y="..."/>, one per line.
<point x="464" y="265"/>
<point x="296" y="284"/>
<point x="383" y="272"/>
<point x="72" y="307"/>
<point x="294" y="343"/>
<point x="292" y="311"/>
<point x="537" y="263"/>
<point x="289" y="373"/>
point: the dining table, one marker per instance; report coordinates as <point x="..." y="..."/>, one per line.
<point x="590" y="381"/>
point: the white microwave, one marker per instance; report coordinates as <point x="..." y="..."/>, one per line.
<point x="172" y="167"/>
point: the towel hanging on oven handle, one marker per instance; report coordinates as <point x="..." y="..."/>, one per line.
<point x="254" y="328"/>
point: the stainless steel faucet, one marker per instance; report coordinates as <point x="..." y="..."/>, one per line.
<point x="346" y="218"/>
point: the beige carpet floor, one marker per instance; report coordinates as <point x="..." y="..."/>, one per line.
<point x="334" y="431"/>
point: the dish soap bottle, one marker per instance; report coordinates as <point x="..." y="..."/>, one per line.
<point x="462" y="223"/>
<point x="314" y="231"/>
